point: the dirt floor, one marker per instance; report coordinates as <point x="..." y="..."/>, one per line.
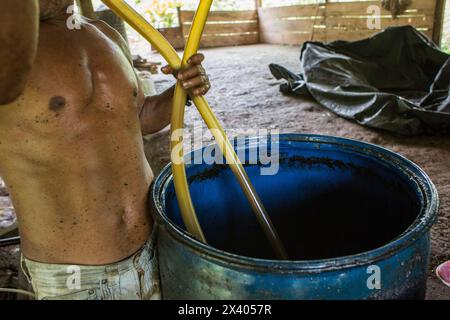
<point x="245" y="95"/>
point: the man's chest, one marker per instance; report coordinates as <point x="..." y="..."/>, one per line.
<point x="85" y="69"/>
<point x="77" y="89"/>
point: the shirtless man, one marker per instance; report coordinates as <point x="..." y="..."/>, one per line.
<point x="72" y="116"/>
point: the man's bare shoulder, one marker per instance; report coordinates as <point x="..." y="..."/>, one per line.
<point x="18" y="38"/>
<point x="111" y="33"/>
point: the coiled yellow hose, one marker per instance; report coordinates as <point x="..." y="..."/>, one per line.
<point x="177" y="122"/>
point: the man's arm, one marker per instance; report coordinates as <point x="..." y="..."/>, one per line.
<point x="157" y="110"/>
<point x="19" y="23"/>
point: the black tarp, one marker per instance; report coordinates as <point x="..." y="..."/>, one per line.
<point x="398" y="80"/>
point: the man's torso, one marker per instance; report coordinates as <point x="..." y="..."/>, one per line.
<point x="71" y="150"/>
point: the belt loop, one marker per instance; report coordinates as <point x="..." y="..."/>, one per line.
<point x="136" y="258"/>
<point x="148" y="248"/>
<point x="24" y="268"/>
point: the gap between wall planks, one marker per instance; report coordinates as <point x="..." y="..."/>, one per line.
<point x="294" y="25"/>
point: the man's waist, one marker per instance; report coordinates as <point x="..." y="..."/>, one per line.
<point x="42" y="272"/>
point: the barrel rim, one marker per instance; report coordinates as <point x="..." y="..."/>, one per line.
<point x="421" y="225"/>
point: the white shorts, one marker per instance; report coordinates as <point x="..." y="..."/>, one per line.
<point x="135" y="278"/>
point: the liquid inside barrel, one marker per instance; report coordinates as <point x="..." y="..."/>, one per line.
<point x="331" y="200"/>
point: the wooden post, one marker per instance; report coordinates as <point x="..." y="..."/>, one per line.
<point x="87" y="9"/>
<point x="258" y="5"/>
<point x="438" y="24"/>
<point x="313" y="31"/>
<point x="180" y="22"/>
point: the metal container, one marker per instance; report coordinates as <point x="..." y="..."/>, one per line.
<point x="355" y="219"/>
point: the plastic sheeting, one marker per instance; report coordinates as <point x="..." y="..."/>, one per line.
<point x="397" y="81"/>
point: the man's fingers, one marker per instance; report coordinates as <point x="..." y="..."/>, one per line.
<point x="167" y="70"/>
<point x="194" y="78"/>
<point x="201" y="91"/>
<point x="195" y="82"/>
<point x="191" y="73"/>
<point x="196" y="59"/>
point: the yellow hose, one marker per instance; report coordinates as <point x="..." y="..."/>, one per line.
<point x="137" y="22"/>
<point x="177" y="122"/>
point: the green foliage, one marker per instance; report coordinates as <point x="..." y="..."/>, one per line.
<point x="163" y="13"/>
<point x="446" y="47"/>
<point x="222" y="4"/>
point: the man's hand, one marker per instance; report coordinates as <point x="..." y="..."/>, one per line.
<point x="19" y="23"/>
<point x="156" y="112"/>
<point x="194" y="78"/>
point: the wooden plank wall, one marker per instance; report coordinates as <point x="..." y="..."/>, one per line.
<point x="225" y="28"/>
<point x="446" y="31"/>
<point x="174" y="36"/>
<point x="294" y="25"/>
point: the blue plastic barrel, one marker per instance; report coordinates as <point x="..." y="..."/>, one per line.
<point x="355" y="219"/>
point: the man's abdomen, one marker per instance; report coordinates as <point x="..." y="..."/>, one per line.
<point x="71" y="152"/>
<point x="80" y="201"/>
